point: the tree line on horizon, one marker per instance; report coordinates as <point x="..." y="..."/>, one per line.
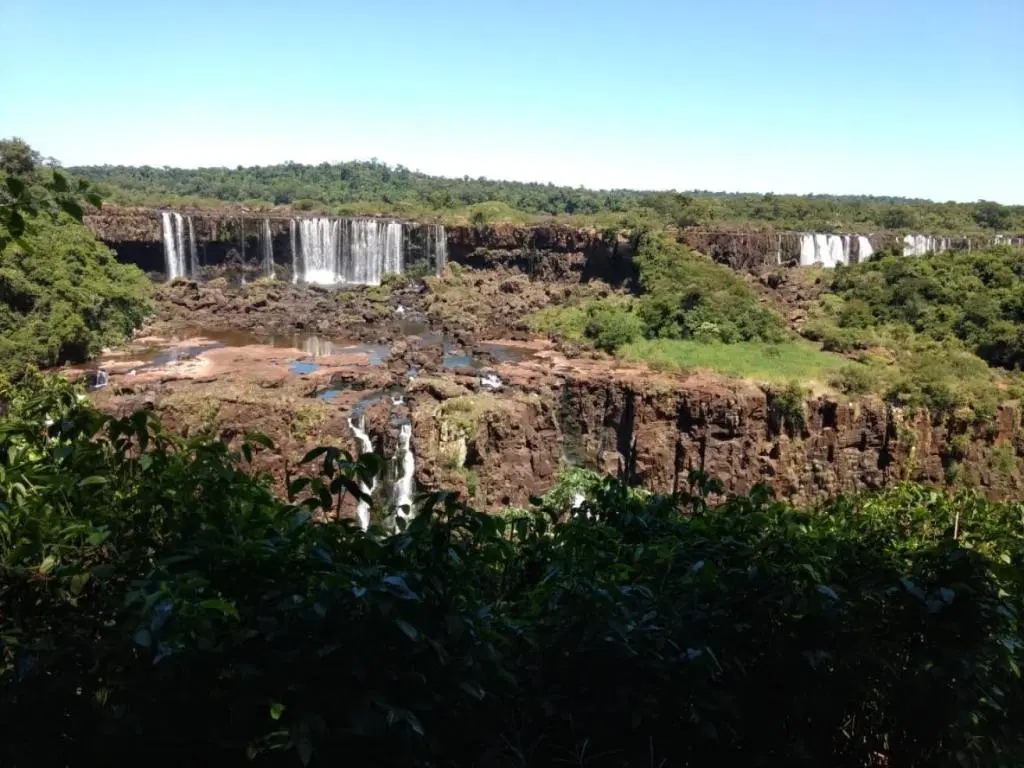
<point x="376" y="187"/>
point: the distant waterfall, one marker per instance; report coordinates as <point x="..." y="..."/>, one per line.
<point x="437" y="246"/>
<point x="174" y="244"/>
<point x="827" y="250"/>
<point x="919" y="245"/>
<point x="267" y="248"/>
<point x="366" y="446"/>
<point x="293" y="238"/>
<point x="192" y="258"/>
<point x="353" y="251"/>
<point x="319" y="241"/>
<point x="407" y="468"/>
<point x="371" y="249"/>
<point x="864" y="249"/>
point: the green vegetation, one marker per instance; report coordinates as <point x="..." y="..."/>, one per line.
<point x="687" y="296"/>
<point x="976" y="298"/>
<point x="933" y="332"/>
<point x="690" y="313"/>
<point x="159" y="602"/>
<point x="375" y="187"/>
<point x="63" y="295"/>
<point x="751" y="360"/>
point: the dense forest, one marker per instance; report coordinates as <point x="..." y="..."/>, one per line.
<point x="160" y="603"/>
<point x="375" y="187"/>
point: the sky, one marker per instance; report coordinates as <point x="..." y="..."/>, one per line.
<point x="916" y="98"/>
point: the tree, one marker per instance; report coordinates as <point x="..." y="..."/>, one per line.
<point x="992" y="215"/>
<point x="17" y="158"/>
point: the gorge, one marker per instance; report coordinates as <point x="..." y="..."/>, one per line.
<point x="446" y="379"/>
<point x="361" y="250"/>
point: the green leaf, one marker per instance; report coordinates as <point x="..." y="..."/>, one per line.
<point x="143" y="638"/>
<point x="222" y="607"/>
<point x="92" y="480"/>
<point x="60" y="183"/>
<point x="48" y="564"/>
<point x="411" y="631"/>
<point x="472" y="689"/>
<point x="15" y="224"/>
<point x="78" y="582"/>
<point x="261" y="439"/>
<point x="71" y="208"/>
<point x="276" y="710"/>
<point x="15" y="186"/>
<point x="314" y="454"/>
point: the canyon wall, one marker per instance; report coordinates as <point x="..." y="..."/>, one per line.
<point x="503" y="449"/>
<point x="268" y="243"/>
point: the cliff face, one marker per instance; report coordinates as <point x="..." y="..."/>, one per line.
<point x="234" y="237"/>
<point x="653" y="433"/>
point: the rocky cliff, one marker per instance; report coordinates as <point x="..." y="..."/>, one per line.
<point x="235" y="236"/>
<point x="653" y="430"/>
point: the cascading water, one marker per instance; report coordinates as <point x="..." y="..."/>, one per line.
<point x="192" y="258"/>
<point x="267" y="248"/>
<point x="827" y="250"/>
<point x="864" y="249"/>
<point x="371" y="249"/>
<point x="366" y="446"/>
<point x="437" y="245"/>
<point x="174" y="244"/>
<point x="293" y="238"/>
<point x="407" y="468"/>
<point x="354" y="251"/>
<point x="319" y="241"/>
<point x="919" y="245"/>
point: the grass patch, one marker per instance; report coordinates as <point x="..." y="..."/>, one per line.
<point x="754" y="360"/>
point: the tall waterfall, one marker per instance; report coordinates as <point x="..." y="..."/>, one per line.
<point x="864" y="249"/>
<point x="192" y="259"/>
<point x="175" y="255"/>
<point x="407" y="467"/>
<point x="366" y="446"/>
<point x="437" y="246"/>
<point x="354" y="251"/>
<point x="319" y="241"/>
<point x="293" y="238"/>
<point x="267" y="248"/>
<point x="828" y="250"/>
<point x="919" y="245"/>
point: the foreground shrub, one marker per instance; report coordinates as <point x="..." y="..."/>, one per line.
<point x="158" y="602"/>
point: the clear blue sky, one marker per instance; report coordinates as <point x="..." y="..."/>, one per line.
<point x="920" y="98"/>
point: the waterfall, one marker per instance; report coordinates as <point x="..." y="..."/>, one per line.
<point x="354" y="251"/>
<point x="293" y="237"/>
<point x="267" y="248"/>
<point x="918" y="245"/>
<point x="827" y="250"/>
<point x="192" y="259"/>
<point x="807" y="250"/>
<point x="778" y="249"/>
<point x="371" y="249"/>
<point x="407" y="467"/>
<point x="437" y="245"/>
<point x="864" y="249"/>
<point x="319" y="240"/>
<point x="366" y="446"/>
<point x="174" y="244"/>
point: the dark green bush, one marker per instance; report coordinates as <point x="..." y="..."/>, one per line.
<point x="159" y="604"/>
<point x="610" y="326"/>
<point x="63" y="296"/>
<point x="685" y="295"/>
<point x="975" y="298"/>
